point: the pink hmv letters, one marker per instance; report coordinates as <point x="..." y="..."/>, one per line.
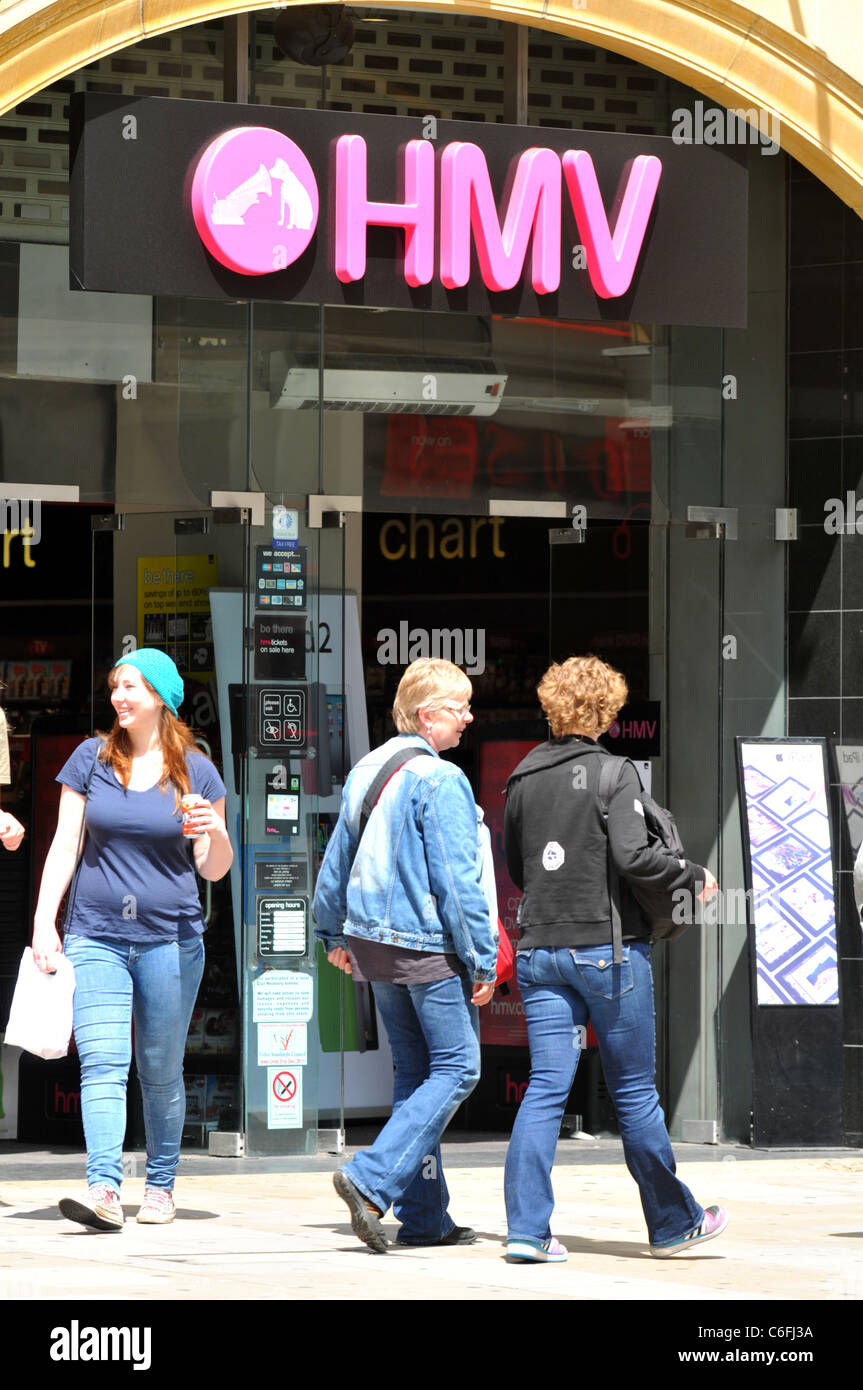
<point x="255" y="206"/>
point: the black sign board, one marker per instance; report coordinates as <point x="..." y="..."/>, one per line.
<point x="280" y="577"/>
<point x="132" y="228"/>
<point x="282" y="926"/>
<point x="281" y="875"/>
<point x="635" y="732"/>
<point x="281" y="719"/>
<point x="280" y="647"/>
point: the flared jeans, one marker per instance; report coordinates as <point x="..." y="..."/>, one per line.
<point x="562" y="989"/>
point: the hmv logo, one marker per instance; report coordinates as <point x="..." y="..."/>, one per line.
<point x="254" y="200"/>
<point x="365" y="210"/>
<point x="255" y="204"/>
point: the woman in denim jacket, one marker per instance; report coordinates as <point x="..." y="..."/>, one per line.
<point x="405" y="910"/>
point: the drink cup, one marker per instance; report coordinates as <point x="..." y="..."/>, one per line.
<point x="186" y="804"/>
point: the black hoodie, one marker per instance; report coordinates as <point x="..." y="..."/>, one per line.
<point x="556" y="848"/>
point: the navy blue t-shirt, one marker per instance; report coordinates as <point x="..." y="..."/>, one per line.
<point x="137" y="876"/>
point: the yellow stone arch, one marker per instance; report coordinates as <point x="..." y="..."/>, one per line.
<point x="797" y="59"/>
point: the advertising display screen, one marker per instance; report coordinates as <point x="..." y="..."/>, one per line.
<point x="790" y="870"/>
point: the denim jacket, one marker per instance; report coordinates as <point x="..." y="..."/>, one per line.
<point x="415" y="879"/>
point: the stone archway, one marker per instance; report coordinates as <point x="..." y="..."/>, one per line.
<point x="802" y="66"/>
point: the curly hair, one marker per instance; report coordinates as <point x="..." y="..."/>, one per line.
<point x="582" y="695"/>
<point x="428" y="681"/>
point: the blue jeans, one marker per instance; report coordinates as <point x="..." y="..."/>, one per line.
<point x="434" y="1035"/>
<point x="157" y="984"/>
<point x="562" y="989"/>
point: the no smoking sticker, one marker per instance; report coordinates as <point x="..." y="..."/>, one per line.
<point x="284" y="1098"/>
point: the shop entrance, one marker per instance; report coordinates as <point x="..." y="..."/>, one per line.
<point x="169" y="568"/>
<point x="148" y="579"/>
<point x="249" y="599"/>
<point x="503" y="617"/>
<point x="503" y="539"/>
<point x="497" y="513"/>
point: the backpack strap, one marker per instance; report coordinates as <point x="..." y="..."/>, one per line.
<point x="388" y="771"/>
<point x="609" y="777"/>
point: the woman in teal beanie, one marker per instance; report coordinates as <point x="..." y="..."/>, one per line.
<point x="134" y="931"/>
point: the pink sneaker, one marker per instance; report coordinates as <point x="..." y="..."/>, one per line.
<point x="714" y="1223"/>
<point x="157" y="1208"/>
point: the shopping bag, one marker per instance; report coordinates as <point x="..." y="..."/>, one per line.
<point x="40" y="1019"/>
<point x="505" y="956"/>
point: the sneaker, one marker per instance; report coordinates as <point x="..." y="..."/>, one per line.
<point x="459" y="1235"/>
<point x="158" y="1207"/>
<point x="714" y="1223"/>
<point x="101" y="1209"/>
<point x="536" y="1252"/>
<point x="365" y="1217"/>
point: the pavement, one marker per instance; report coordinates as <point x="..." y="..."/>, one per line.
<point x="272" y="1230"/>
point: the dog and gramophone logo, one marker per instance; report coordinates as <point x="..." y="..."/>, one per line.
<point x="255" y="205"/>
<point x="255" y="200"/>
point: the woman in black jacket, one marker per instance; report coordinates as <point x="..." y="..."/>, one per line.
<point x="557" y="843"/>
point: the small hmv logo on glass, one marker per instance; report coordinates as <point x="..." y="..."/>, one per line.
<point x="254" y="200"/>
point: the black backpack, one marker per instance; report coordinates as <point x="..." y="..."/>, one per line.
<point x="666" y="916"/>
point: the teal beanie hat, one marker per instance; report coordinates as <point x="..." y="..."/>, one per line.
<point x="157" y="668"/>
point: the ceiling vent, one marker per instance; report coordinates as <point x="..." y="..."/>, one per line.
<point x="387" y="385"/>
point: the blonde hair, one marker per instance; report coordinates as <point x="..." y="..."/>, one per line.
<point x="430" y="681"/>
<point x="581" y="695"/>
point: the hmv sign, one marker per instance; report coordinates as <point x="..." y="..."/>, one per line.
<point x="221" y="201"/>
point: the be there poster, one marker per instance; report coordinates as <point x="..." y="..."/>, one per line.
<point x="174" y="609"/>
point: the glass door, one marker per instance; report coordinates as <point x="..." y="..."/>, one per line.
<point x="169" y="569"/>
<point x="506" y="495"/>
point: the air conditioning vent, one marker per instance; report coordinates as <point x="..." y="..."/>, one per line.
<point x="388" y="385"/>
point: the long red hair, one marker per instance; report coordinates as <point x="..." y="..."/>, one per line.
<point x="175" y="740"/>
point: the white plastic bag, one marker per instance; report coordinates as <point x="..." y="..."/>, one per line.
<point x="40" y="1020"/>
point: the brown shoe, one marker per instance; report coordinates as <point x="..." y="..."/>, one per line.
<point x="365" y="1218"/>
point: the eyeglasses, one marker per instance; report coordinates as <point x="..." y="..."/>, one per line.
<point x="455" y="708"/>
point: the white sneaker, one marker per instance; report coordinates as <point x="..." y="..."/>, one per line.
<point x="714" y="1223"/>
<point x="102" y="1208"/>
<point x="536" y="1252"/>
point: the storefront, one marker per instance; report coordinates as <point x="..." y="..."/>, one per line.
<point x="344" y="387"/>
